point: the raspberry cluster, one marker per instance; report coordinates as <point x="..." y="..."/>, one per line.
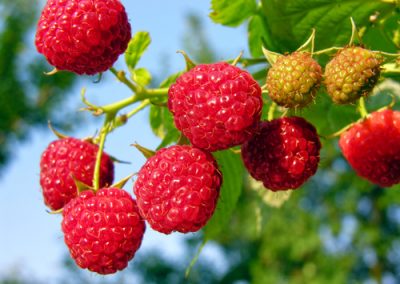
<point x="283" y="154"/>
<point x="216" y="106"/>
<point x="372" y="147"/>
<point x="351" y="74"/>
<point x="177" y="189"/>
<point x="103" y="230"/>
<point x="294" y="80"/>
<point x="85" y="37"/>
<point x="66" y="160"/>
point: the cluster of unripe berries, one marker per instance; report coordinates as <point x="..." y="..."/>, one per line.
<point x="294" y="79"/>
<point x="216" y="107"/>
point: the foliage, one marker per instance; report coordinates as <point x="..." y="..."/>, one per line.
<point x="26" y="98"/>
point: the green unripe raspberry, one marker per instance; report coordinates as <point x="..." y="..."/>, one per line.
<point x="294" y="79"/>
<point x="351" y="74"/>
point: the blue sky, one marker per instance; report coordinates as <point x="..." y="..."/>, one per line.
<point x="30" y="239"/>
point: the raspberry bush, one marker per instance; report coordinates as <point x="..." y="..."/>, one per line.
<point x="271" y="116"/>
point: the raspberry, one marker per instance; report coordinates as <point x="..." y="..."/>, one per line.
<point x="216" y="106"/>
<point x="65" y="160"/>
<point x="283" y="154"/>
<point x="102" y="230"/>
<point x="83" y="36"/>
<point x="294" y="80"/>
<point x="372" y="147"/>
<point x="352" y="73"/>
<point x="177" y="189"/>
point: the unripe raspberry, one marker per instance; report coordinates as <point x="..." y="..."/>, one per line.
<point x="352" y="73"/>
<point x="83" y="36"/>
<point x="283" y="154"/>
<point x="372" y="147"/>
<point x="177" y="189"/>
<point x="294" y="79"/>
<point x="65" y="160"/>
<point x="216" y="106"/>
<point x="102" y="230"/>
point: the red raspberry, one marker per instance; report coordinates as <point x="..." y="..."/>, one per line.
<point x="83" y="36"/>
<point x="66" y="159"/>
<point x="216" y="106"/>
<point x="102" y="230"/>
<point x="177" y="189"/>
<point x="372" y="147"/>
<point x="283" y="154"/>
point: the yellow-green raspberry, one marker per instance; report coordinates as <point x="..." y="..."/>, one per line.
<point x="294" y="79"/>
<point x="352" y="73"/>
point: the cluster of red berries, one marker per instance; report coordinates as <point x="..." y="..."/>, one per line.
<point x="216" y="107"/>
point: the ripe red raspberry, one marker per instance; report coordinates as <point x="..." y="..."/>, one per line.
<point x="65" y="160"/>
<point x="102" y="230"/>
<point x="177" y="189"/>
<point x="372" y="147"/>
<point x="283" y="154"/>
<point x="83" y="36"/>
<point x="216" y="106"/>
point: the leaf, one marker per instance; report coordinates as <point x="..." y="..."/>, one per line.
<point x="162" y="124"/>
<point x="136" y="47"/>
<point x="291" y="21"/>
<point x="170" y="80"/>
<point x="232" y="13"/>
<point x="141" y="76"/>
<point x="257" y="34"/>
<point x="232" y="170"/>
<point x="161" y="119"/>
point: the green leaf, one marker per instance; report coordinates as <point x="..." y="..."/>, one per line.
<point x="170" y="80"/>
<point x="231" y="167"/>
<point x="328" y="117"/>
<point x="290" y="22"/>
<point x="232" y="13"/>
<point x="257" y="33"/>
<point x="136" y="47"/>
<point x="162" y="124"/>
<point x="161" y="119"/>
<point x="141" y="76"/>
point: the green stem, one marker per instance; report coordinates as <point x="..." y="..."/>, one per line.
<point x="387" y="53"/>
<point x="142" y="105"/>
<point x="103" y="135"/>
<point x="390" y="1"/>
<point x="361" y="108"/>
<point x="121" y="76"/>
<point x="271" y="111"/>
<point x="327" y="50"/>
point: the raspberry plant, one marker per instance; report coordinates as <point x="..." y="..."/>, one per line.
<point x="280" y="115"/>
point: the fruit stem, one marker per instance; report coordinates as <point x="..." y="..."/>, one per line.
<point x="361" y="108"/>
<point x="102" y="139"/>
<point x="121" y="76"/>
<point x="139" y="96"/>
<point x="195" y="258"/>
<point x="251" y="61"/>
<point x="327" y="50"/>
<point x="271" y="111"/>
